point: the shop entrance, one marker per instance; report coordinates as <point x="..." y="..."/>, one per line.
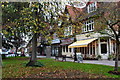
<point x="104" y="50"/>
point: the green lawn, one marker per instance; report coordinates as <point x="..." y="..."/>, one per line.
<point x="15" y="68"/>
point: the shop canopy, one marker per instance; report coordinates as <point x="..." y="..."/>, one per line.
<point x="81" y="43"/>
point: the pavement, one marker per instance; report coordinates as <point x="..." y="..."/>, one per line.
<point x="101" y="62"/>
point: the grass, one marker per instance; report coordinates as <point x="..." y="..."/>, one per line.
<point x="85" y="67"/>
<point x="14" y="67"/>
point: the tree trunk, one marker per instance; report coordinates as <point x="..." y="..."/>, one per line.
<point x="33" y="58"/>
<point x="116" y="56"/>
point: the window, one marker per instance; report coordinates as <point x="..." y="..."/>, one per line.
<point x="63" y="48"/>
<point x="91" y="7"/>
<point x="66" y="48"/>
<point x="68" y="31"/>
<point x="88" y="26"/>
<point x="69" y="49"/>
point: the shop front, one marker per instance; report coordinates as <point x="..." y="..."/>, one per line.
<point x="56" y="48"/>
<point x="64" y="45"/>
<point x="92" y="47"/>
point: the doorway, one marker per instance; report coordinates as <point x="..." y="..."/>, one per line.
<point x="104" y="49"/>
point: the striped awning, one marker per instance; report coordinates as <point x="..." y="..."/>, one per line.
<point x="81" y="43"/>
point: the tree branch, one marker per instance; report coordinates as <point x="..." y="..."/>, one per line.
<point x="111" y="26"/>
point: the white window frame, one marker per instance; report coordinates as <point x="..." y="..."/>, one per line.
<point x="88" y="26"/>
<point x="68" y="31"/>
<point x="92" y="7"/>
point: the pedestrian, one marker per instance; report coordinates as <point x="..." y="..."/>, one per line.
<point x="75" y="56"/>
<point x="23" y="53"/>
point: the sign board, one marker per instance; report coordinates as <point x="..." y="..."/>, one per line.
<point x="67" y="41"/>
<point x="55" y="41"/>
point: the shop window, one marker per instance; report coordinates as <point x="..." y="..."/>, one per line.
<point x="78" y="50"/>
<point x="63" y="48"/>
<point x="70" y="49"/>
<point x="94" y="50"/>
<point x="66" y="48"/>
<point x="52" y="51"/>
<point x="91" y="49"/>
<point x="81" y="50"/>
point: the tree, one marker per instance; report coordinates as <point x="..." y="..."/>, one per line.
<point x="36" y="22"/>
<point x="37" y="19"/>
<point x="10" y="29"/>
<point x="107" y="21"/>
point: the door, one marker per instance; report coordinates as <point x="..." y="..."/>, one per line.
<point x="104" y="50"/>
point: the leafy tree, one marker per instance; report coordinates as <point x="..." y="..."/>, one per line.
<point x="36" y="18"/>
<point x="10" y="27"/>
<point x="109" y="23"/>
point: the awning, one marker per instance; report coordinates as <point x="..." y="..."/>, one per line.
<point x="55" y="41"/>
<point x="82" y="43"/>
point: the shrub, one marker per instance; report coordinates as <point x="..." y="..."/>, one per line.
<point x="99" y="57"/>
<point x="110" y="57"/>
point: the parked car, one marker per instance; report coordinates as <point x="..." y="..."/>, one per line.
<point x="7" y="53"/>
<point x="4" y="53"/>
<point x="11" y="52"/>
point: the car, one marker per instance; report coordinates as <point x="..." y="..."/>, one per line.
<point x="5" y="51"/>
<point x="11" y="52"/>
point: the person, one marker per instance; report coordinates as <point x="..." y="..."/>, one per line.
<point x="23" y="53"/>
<point x="75" y="57"/>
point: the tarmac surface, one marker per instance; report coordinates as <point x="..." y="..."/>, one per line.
<point x="101" y="62"/>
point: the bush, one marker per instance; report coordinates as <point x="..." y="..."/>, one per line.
<point x="110" y="57"/>
<point x="99" y="57"/>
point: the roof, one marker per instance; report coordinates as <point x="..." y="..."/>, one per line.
<point x="73" y="11"/>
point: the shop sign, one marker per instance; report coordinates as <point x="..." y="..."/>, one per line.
<point x="67" y="41"/>
<point x="55" y="41"/>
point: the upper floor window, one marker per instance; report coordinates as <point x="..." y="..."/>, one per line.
<point x="92" y="7"/>
<point x="88" y="26"/>
<point x="68" y="31"/>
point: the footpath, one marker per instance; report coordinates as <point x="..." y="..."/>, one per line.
<point x="102" y="62"/>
